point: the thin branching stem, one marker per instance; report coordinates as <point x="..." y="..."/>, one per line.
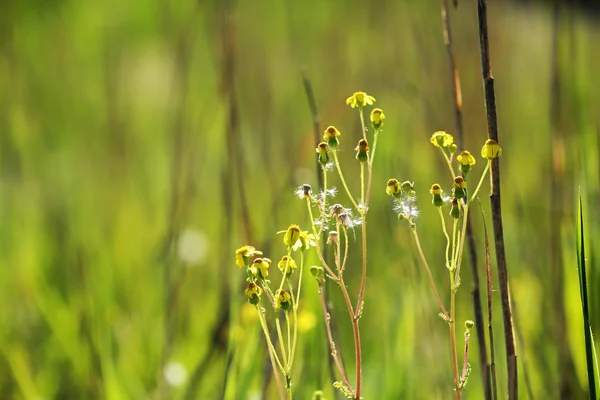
<point x="485" y="171"/>
<point x="270" y="346"/>
<point x="448" y="264"/>
<point x="281" y="344"/>
<point x="452" y="326"/>
<point x="339" y="170"/>
<point x="317" y="238"/>
<point x="431" y="282"/>
<point x="465" y="360"/>
<point x="346" y="245"/>
<point x="332" y="346"/>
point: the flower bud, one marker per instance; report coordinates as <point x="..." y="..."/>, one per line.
<point x="287" y="265"/>
<point x="452" y="149"/>
<point x="333" y="237"/>
<point x="253" y="292"/>
<point x="292" y="235"/>
<point x="362" y="150"/>
<point x="408" y="187"/>
<point x="330" y="136"/>
<point x="377" y="118"/>
<point x="469" y="325"/>
<point x="491" y="150"/>
<point x="436" y="192"/>
<point x="460" y="188"/>
<point x="282" y="299"/>
<point x="323" y="151"/>
<point x="466" y="160"/>
<point x="455" y="209"/>
<point x="318" y="273"/>
<point x="393" y="188"/>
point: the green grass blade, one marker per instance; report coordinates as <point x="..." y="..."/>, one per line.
<point x="587" y="330"/>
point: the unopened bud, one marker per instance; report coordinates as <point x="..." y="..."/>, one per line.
<point x="362" y="150"/>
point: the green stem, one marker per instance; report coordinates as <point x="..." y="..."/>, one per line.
<point x="289" y="340"/>
<point x="449" y="163"/>
<point x="269" y="343"/>
<point x="339" y="170"/>
<point x="346" y="249"/>
<point x="454" y="239"/>
<point x="461" y="245"/>
<point x="317" y="241"/>
<point x="272" y="355"/>
<point x="453" y="335"/>
<point x="281" y="344"/>
<point x="487" y="167"/>
<point x="431" y="282"/>
<point x="363" y="277"/>
<point x="374" y="147"/>
<point x="448" y="264"/>
<point x="362" y="123"/>
<point x="362" y="187"/>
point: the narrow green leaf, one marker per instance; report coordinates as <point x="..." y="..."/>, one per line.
<point x="587" y="330"/>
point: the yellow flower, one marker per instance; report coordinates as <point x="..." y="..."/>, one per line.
<point x="260" y="267"/>
<point x="436" y="189"/>
<point x="305" y="241"/>
<point x="377" y="118"/>
<point x="460" y="182"/>
<point x="393" y="187"/>
<point x="331" y="136"/>
<point x="360" y="99"/>
<point x="282" y="299"/>
<point x="253" y="292"/>
<point x="244" y="254"/>
<point x="287" y="265"/>
<point x="331" y="132"/>
<point x="465" y="158"/>
<point x="491" y="150"/>
<point x="292" y="235"/>
<point x="441" y="139"/>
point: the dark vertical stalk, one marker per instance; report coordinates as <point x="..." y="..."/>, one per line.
<point x="488" y="276"/>
<point x="495" y="200"/>
<point x="457" y="97"/>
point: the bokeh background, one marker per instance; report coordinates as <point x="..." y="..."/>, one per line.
<point x="142" y="142"/>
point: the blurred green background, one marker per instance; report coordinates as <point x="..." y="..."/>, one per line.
<point x="142" y="142"/>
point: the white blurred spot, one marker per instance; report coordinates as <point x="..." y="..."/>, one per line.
<point x="192" y="246"/>
<point x="175" y="373"/>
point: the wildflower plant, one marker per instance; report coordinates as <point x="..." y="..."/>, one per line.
<point x="342" y="219"/>
<point x="283" y="297"/>
<point x="457" y="204"/>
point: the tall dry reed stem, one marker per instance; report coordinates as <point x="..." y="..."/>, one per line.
<point x="457" y="101"/>
<point x="495" y="200"/>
